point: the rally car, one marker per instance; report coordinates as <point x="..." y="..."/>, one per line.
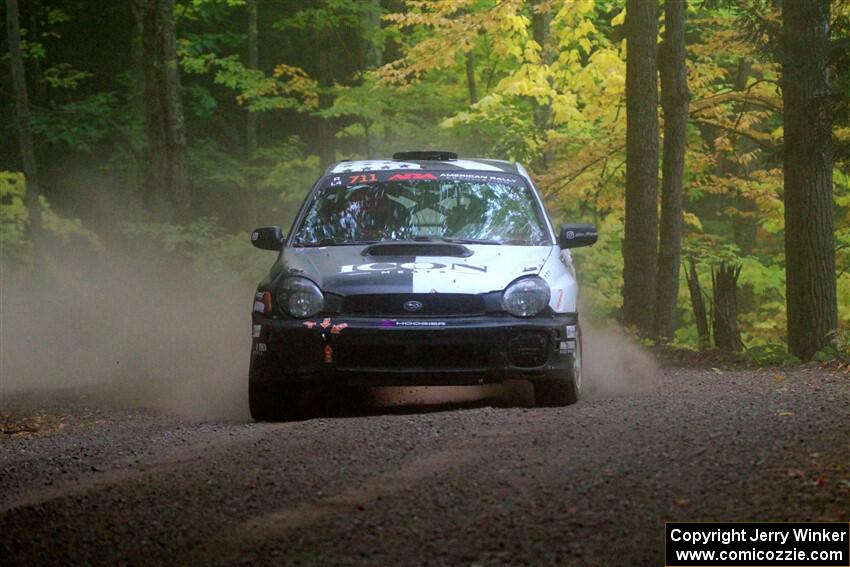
<point x="419" y="270"/>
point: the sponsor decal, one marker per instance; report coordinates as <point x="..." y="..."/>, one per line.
<point x="259" y="307"/>
<point x="560" y="299"/>
<point x="325" y="324"/>
<point x="412" y="305"/>
<point x="262" y="347"/>
<point x="413" y="177"/>
<point x="309" y="324"/>
<point x="337" y="329"/>
<point x="402" y="323"/>
<point x="479" y="177"/>
<point x="361" y="174"/>
<point x="256" y="330"/>
<point x="405" y="267"/>
<point x="254" y="236"/>
<point x="329" y="354"/>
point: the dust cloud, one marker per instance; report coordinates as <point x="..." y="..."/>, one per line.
<point x="143" y="330"/>
<point x="156" y="333"/>
<point x="614" y="363"/>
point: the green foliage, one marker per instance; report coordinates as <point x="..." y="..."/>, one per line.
<point x="600" y="270"/>
<point x="558" y="107"/>
<point x="329" y="14"/>
<point x="182" y="241"/>
<point x="14" y="217"/>
<point x="81" y="124"/>
<point x="769" y="355"/>
<point x="288" y="88"/>
<point x="68" y="231"/>
<point x="287" y="170"/>
<point x="380" y="119"/>
<point x="213" y="166"/>
<point x="63" y="76"/>
<point x="203" y="246"/>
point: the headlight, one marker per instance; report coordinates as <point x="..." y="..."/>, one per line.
<point x="300" y="297"/>
<point x="526" y="297"/>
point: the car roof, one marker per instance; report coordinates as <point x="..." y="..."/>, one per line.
<point x="460" y="164"/>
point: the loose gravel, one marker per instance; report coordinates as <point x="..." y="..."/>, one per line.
<point x="589" y="484"/>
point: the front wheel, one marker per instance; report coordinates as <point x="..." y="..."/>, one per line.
<point x="562" y="391"/>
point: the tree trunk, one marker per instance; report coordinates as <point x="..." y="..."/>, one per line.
<point x="373" y="57"/>
<point x="22" y="112"/>
<point x="640" y="248"/>
<point x="674" y="102"/>
<point x="540" y="24"/>
<point x="698" y="304"/>
<point x="137" y="91"/>
<point x="324" y="76"/>
<point x="809" y="231"/>
<point x="251" y="118"/>
<point x="155" y="168"/>
<point x="374" y="53"/>
<point x="178" y="176"/>
<point x="166" y="180"/>
<point x="39" y="97"/>
<point x="725" y="308"/>
<point x="471" y="86"/>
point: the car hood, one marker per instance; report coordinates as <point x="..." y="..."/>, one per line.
<point x="345" y="270"/>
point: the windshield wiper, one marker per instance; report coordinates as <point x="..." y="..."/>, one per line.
<point x="449" y="239"/>
<point x="454" y="240"/>
<point x="334" y="242"/>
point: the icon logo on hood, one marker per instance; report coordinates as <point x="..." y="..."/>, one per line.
<point x="412" y="306"/>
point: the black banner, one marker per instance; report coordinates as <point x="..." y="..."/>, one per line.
<point x="744" y="544"/>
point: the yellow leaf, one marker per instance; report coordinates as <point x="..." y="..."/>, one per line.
<point x="692" y="221"/>
<point x="619" y="19"/>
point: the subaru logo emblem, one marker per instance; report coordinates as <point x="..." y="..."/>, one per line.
<point x="412" y="305"/>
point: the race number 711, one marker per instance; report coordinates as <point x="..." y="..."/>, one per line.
<point x="368" y="178"/>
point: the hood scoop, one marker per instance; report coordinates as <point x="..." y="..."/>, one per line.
<point x="418" y="249"/>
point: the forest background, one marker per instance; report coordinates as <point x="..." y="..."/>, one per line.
<point x="184" y="124"/>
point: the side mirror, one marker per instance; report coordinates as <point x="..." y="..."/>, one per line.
<point x="267" y="238"/>
<point x="576" y="235"/>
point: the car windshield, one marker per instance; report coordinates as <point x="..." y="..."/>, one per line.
<point x="422" y="207"/>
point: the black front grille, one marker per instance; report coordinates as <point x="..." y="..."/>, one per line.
<point x="353" y="356"/>
<point x="433" y="304"/>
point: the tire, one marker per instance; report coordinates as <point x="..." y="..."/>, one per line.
<point x="562" y="391"/>
<point x="555" y="393"/>
<point x="276" y="402"/>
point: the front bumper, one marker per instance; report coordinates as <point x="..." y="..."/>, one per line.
<point x="412" y="352"/>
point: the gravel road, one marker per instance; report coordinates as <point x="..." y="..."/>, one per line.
<point x="590" y="484"/>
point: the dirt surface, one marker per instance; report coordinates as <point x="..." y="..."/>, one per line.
<point x="462" y="483"/>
